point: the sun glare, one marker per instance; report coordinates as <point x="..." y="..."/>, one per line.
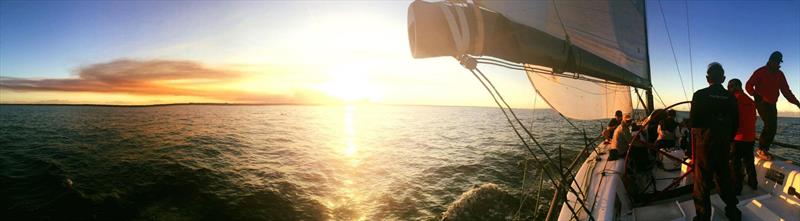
<point x="351" y="84"/>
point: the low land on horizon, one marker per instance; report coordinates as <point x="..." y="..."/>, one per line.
<point x="780" y="114"/>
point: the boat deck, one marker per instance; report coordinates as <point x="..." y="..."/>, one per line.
<point x="760" y="204"/>
<point x="607" y="197"/>
<point x="682" y="208"/>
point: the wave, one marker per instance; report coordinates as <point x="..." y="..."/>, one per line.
<point x="151" y="191"/>
<point x="484" y="202"/>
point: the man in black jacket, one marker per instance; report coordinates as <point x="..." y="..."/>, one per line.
<point x="715" y="118"/>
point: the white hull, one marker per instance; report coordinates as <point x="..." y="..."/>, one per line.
<point x="605" y="195"/>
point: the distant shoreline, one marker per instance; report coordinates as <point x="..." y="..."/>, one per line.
<point x="153" y="105"/>
<point x="780" y="114"/>
<point x="240" y="104"/>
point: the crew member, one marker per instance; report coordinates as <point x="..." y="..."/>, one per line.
<point x="622" y="137"/>
<point x="742" y="152"/>
<point x="608" y="133"/>
<point x="667" y="131"/>
<point x="766" y="84"/>
<point x="715" y="119"/>
<point x="685" y="137"/>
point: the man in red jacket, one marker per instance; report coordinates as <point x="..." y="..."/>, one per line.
<point x="766" y="84"/>
<point x="742" y="148"/>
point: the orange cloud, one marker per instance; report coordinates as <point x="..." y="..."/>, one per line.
<point x="128" y="76"/>
<point x="156" y="77"/>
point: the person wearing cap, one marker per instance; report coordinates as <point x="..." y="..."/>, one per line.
<point x="715" y="119"/>
<point x="622" y="137"/>
<point x="742" y="148"/>
<point x="765" y="85"/>
<point x="608" y="133"/>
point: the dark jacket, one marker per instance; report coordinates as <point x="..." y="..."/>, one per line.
<point x="715" y="108"/>
<point x="715" y="119"/>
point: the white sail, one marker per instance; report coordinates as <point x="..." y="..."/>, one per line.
<point x="581" y="99"/>
<point x="602" y="41"/>
<point x="614" y="30"/>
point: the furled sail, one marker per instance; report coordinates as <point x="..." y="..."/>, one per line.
<point x="602" y="40"/>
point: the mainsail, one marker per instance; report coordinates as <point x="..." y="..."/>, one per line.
<point x="604" y="41"/>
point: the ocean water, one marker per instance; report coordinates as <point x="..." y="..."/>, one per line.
<point x="215" y="162"/>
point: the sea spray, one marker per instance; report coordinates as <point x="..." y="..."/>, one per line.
<point x="484" y="202"/>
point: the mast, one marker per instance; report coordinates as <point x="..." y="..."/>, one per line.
<point x="649" y="107"/>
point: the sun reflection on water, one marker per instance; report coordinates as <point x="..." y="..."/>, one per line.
<point x="346" y="207"/>
<point x="350" y="133"/>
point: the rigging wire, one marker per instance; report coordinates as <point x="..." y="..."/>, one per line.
<point x="538" y="194"/>
<point x="563" y="26"/>
<point x="470" y="60"/>
<point x="576" y="88"/>
<point x="674" y="55"/>
<point x="689" y="36"/>
<point x="515" y="115"/>
<point x="501" y="63"/>
<point x="540" y="71"/>
<point x="599" y="83"/>
<point x="471" y="64"/>
<point x="533" y="113"/>
<point x="659" y="97"/>
<point x="523" y="195"/>
<point x="547" y="172"/>
<point x="525" y="172"/>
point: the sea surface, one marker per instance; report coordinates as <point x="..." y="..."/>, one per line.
<point x="220" y="162"/>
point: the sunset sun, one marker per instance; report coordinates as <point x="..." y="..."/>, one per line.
<point x="351" y="84"/>
<point x="354" y="110"/>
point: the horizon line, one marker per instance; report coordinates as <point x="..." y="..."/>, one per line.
<point x="287" y="103"/>
<point x="240" y="104"/>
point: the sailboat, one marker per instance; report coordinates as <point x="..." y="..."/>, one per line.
<point x="587" y="59"/>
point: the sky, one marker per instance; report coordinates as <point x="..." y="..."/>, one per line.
<point x="150" y="52"/>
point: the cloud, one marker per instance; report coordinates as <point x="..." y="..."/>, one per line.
<point x="129" y="76"/>
<point x="152" y="77"/>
